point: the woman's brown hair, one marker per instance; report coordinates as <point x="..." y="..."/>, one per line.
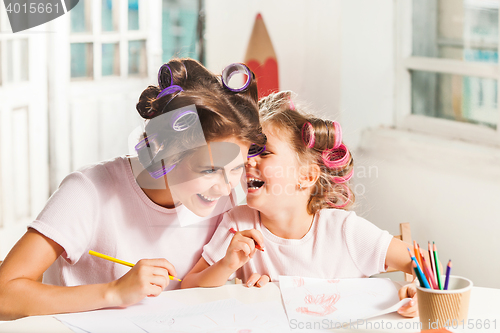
<point x="331" y="190"/>
<point x="221" y="113"/>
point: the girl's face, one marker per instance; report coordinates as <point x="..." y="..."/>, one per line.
<point x="201" y="179"/>
<point x="273" y="176"/>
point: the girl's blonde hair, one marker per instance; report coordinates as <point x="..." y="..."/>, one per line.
<point x="315" y="141"/>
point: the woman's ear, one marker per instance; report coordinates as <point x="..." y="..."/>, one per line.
<point x="309" y="175"/>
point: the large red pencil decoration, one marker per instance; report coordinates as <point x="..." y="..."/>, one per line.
<point x="261" y="58"/>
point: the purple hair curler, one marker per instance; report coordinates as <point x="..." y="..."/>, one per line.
<point x="344" y="179"/>
<point x="162" y="171"/>
<point x="170" y="90"/>
<point x="160" y="83"/>
<point x="145" y="142"/>
<point x="183" y="120"/>
<point x="308" y="137"/>
<point x="348" y="199"/>
<point x="236" y="68"/>
<point x="255" y="150"/>
<point x="336" y="157"/>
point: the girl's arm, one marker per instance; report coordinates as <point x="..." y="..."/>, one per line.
<point x="21" y="295"/>
<point x="240" y="250"/>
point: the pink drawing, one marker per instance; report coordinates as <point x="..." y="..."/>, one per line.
<point x="325" y="302"/>
<point x="245" y="331"/>
<point x="298" y="281"/>
<point x="333" y="281"/>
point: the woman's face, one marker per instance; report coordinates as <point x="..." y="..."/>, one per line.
<point x="211" y="172"/>
<point x="272" y="177"/>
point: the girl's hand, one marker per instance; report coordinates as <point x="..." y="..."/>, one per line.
<point x="410" y="309"/>
<point x="242" y="248"/>
<point x="149" y="277"/>
<point x="257" y="280"/>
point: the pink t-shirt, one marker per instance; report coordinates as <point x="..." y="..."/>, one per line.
<point x="339" y="244"/>
<point x="101" y="208"/>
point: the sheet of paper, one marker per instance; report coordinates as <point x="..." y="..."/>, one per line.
<point x="229" y="315"/>
<point x="115" y="319"/>
<point x="325" y="304"/>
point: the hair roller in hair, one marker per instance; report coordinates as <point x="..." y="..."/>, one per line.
<point x="256" y="150"/>
<point x="183" y="119"/>
<point x="343" y="179"/>
<point x="308" y="136"/>
<point x="346" y="195"/>
<point x="338" y="134"/>
<point x="232" y="70"/>
<point x="169" y="90"/>
<point x="336" y="157"/>
<point x="161" y="79"/>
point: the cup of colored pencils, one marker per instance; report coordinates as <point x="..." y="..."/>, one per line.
<point x="443" y="299"/>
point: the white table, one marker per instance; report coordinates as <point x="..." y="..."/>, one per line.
<point x="484" y="305"/>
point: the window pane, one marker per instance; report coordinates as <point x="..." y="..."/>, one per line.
<point x="455" y="97"/>
<point x="9" y="61"/>
<point x="24" y="63"/>
<point x="109" y="15"/>
<point x="179" y="24"/>
<point x="464" y="30"/>
<point x="81" y="60"/>
<point x="80" y="17"/>
<point x="133" y="14"/>
<point x="110" y="59"/>
<point x="1" y="73"/>
<point x="137" y="57"/>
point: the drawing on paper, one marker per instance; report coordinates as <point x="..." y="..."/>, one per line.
<point x="320" y="305"/>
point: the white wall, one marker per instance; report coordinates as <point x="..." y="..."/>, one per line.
<point x="339" y="56"/>
<point x="306" y="39"/>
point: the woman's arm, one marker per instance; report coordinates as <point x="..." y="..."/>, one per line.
<point x="21" y="295"/>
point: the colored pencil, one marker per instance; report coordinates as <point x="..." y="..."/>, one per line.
<point x="118" y="261"/>
<point x="417" y="254"/>
<point x="261" y="58"/>
<point x="420" y="275"/>
<point x="432" y="262"/>
<point x="418" y="272"/>
<point x="428" y="274"/>
<point x="448" y="270"/>
<point x="438" y="270"/>
<point x="257" y="246"/>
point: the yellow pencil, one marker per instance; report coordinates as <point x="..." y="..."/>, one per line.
<point x="118" y="261"/>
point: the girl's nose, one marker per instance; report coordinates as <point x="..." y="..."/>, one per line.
<point x="252" y="162"/>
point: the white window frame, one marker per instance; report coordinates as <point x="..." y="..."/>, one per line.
<point x="121" y="36"/>
<point x="405" y="62"/>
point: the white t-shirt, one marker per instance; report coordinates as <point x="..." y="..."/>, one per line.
<point x="101" y="208"/>
<point x="339" y="244"/>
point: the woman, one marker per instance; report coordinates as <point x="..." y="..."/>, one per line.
<point x="192" y="153"/>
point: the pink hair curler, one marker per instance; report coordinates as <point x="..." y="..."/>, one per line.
<point x="344" y="179"/>
<point x="336" y="157"/>
<point x="338" y="135"/>
<point x="308" y="137"/>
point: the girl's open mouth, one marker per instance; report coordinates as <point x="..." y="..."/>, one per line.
<point x="254" y="183"/>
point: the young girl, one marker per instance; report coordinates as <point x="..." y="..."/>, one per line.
<point x="134" y="207"/>
<point x="296" y="221"/>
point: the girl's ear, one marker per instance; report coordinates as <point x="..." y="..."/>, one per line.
<point x="309" y="175"/>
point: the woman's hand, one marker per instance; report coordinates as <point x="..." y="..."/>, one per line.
<point x="149" y="277"/>
<point x="410" y="309"/>
<point x="242" y="248"/>
<point x="257" y="280"/>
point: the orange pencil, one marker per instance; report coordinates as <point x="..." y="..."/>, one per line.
<point x="417" y="254"/>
